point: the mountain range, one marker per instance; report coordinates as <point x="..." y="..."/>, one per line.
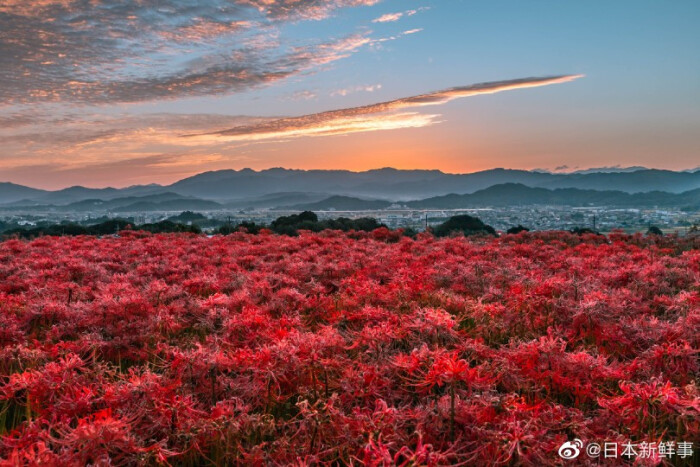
<point x="373" y="189"/>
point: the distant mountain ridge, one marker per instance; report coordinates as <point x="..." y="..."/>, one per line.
<point x="268" y="188"/>
<point x="514" y="194"/>
<point x="167" y="201"/>
<point x="341" y="203"/>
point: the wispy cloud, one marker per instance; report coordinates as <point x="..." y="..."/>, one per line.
<point x="302" y="95"/>
<point x="393" y="17"/>
<point x="353" y="89"/>
<point x="381" y="116"/>
<point x="388" y="18"/>
<point x="102" y="51"/>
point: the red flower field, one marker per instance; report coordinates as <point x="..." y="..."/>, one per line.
<point x="358" y="349"/>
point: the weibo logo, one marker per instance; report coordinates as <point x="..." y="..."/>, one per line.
<point x="570" y="450"/>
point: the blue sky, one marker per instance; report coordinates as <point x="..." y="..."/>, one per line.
<point x="116" y="96"/>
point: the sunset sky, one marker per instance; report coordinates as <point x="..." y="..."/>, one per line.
<point x="116" y="93"/>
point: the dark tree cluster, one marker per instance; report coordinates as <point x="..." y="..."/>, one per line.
<point x="170" y="227"/>
<point x="464" y="224"/>
<point x="245" y="226"/>
<point x="307" y="220"/>
<point x="654" y="230"/>
<point x="188" y="216"/>
<point x="517" y="229"/>
<point x="583" y="231"/>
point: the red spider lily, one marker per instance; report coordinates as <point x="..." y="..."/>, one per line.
<point x="653" y="408"/>
<point x="332" y="348"/>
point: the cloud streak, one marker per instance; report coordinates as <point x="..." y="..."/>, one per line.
<point x="393" y="17"/>
<point x="387" y="115"/>
<point x="367" y="88"/>
<point x="388" y="18"/>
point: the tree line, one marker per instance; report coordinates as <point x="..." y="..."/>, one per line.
<point x="284" y="225"/>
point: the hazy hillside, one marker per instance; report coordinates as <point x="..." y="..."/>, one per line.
<point x="167" y="201"/>
<point x="11" y="192"/>
<point x="631" y="182"/>
<point x="277" y="199"/>
<point x="172" y="205"/>
<point x="513" y="194"/>
<point x="341" y="203"/>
